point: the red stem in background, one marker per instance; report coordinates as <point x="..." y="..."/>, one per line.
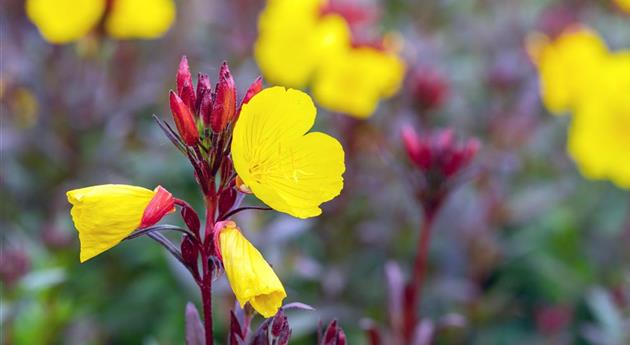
<point x="413" y="295"/>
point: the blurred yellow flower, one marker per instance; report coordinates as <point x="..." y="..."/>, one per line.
<point x="105" y="214"/>
<point x="623" y="4"/>
<point x="355" y="81"/>
<point x="250" y="276"/>
<point x="567" y="66"/>
<point x="293" y="40"/>
<point x="289" y="169"/>
<point x="145" y="19"/>
<point x="299" y="45"/>
<point x="599" y="136"/>
<point x="63" y="21"/>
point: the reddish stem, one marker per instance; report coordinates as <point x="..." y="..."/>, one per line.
<point x="206" y="297"/>
<point x="206" y="283"/>
<point x="413" y="295"/>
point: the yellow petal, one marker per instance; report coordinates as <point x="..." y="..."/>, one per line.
<point x="144" y="19"/>
<point x="355" y="81"/>
<point x="250" y="276"/>
<point x="105" y="214"/>
<point x="599" y="136"/>
<point x="623" y="4"/>
<point x="288" y="170"/>
<point x="568" y="66"/>
<point x="63" y="21"/>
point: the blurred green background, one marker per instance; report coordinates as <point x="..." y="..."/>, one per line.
<point x="526" y="252"/>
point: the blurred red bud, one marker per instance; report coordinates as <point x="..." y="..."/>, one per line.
<point x="161" y="204"/>
<point x="439" y="151"/>
<point x="333" y="335"/>
<point x="274" y="331"/>
<point x="417" y="151"/>
<point x="236" y="335"/>
<point x="184" y="120"/>
<point x="224" y="103"/>
<point x="429" y="88"/>
<point x="14" y="264"/>
<point x="183" y="75"/>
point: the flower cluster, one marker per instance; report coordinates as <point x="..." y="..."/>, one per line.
<point x="261" y="147"/>
<point x="579" y="74"/>
<point x="64" y="21"/>
<point x="318" y="43"/>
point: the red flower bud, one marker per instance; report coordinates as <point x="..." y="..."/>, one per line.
<point x="205" y="107"/>
<point x="183" y="75"/>
<point x="188" y="96"/>
<point x="161" y="204"/>
<point x="255" y="88"/>
<point x="417" y="149"/>
<point x="184" y="120"/>
<point x="429" y="89"/>
<point x="224" y="103"/>
<point x="333" y="335"/>
<point x="203" y="86"/>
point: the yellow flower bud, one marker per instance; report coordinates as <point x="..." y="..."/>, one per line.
<point x="250" y="276"/>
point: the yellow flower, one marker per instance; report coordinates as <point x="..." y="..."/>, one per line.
<point x="567" y="66"/>
<point x="599" y="136"/>
<point x="355" y="81"/>
<point x="293" y="40"/>
<point x="290" y="170"/>
<point x="250" y="276"/>
<point x="145" y="19"/>
<point x="623" y="5"/>
<point x="105" y="214"/>
<point x="63" y="21"/>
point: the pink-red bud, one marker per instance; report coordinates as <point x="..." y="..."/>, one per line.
<point x="184" y="120"/>
<point x="161" y="204"/>
<point x="188" y="96"/>
<point x="429" y="88"/>
<point x="417" y="149"/>
<point x="224" y="103"/>
<point x="183" y="75"/>
<point x="255" y="88"/>
<point x="203" y="86"/>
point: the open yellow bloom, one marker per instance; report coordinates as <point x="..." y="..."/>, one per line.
<point x="145" y="19"/>
<point x="599" y="137"/>
<point x="105" y="214"/>
<point x="63" y="21"/>
<point x="293" y="40"/>
<point x="289" y="169"/>
<point x="354" y="82"/>
<point x="567" y="66"/>
<point x="250" y="276"/>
